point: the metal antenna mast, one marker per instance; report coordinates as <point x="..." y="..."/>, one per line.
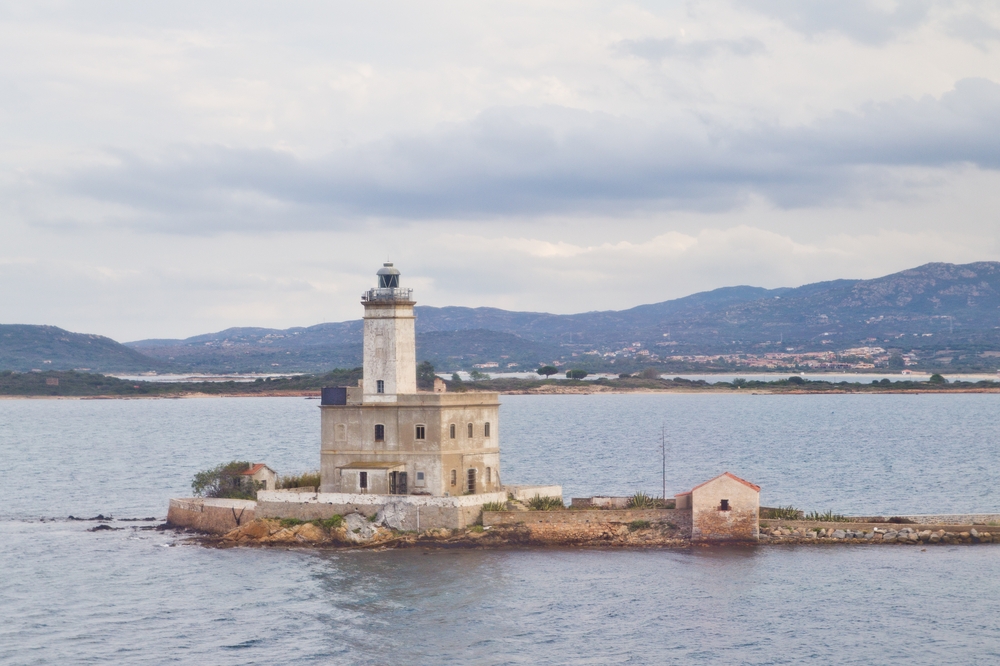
<point x="663" y="451"/>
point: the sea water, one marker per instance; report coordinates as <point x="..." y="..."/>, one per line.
<point x="134" y="595"/>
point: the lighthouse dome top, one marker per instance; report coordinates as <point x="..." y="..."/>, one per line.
<point x="388" y="276"/>
<point x="388" y="288"/>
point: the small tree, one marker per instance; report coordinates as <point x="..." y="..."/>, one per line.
<point x="547" y="370"/>
<point x="650" y="373"/>
<point x="425" y="375"/>
<point x="477" y="376"/>
<point x="937" y="379"/>
<point x="576" y="374"/>
<point x="226" y="481"/>
<point x="456" y="378"/>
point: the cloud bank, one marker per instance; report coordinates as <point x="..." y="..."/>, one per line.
<point x="517" y="161"/>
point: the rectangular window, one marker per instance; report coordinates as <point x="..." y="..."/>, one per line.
<point x="471" y="478"/>
<point x="420" y="476"/>
<point x="454" y="477"/>
<point x="380" y="386"/>
<point x="421" y="432"/>
<point x="724" y="505"/>
<point x="489" y="474"/>
<point x="470" y="430"/>
<point x="363" y="480"/>
<point x="379" y="433"/>
<point x="452" y="430"/>
<point x="486" y="429"/>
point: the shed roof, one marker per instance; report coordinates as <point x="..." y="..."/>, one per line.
<point x="730" y="475"/>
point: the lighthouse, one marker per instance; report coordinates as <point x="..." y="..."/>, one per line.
<point x="384" y="437"/>
<point x="390" y="365"/>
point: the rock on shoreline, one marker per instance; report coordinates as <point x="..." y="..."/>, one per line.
<point x="877" y="535"/>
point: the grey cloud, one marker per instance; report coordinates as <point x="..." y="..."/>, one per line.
<point x="657" y="50"/>
<point x="973" y="29"/>
<point x="865" y="21"/>
<point x="549" y="160"/>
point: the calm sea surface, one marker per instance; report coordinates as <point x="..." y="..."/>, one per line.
<point x="140" y="596"/>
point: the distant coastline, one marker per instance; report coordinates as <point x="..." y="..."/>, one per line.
<point x="75" y="385"/>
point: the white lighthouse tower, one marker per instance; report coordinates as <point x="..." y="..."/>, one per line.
<point x="390" y="366"/>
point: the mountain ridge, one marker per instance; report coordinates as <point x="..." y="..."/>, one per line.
<point x="935" y="314"/>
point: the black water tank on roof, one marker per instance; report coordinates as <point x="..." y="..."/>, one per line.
<point x="334" y="396"/>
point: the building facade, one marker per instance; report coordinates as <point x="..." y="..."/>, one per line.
<point x="726" y="508"/>
<point x="385" y="437"/>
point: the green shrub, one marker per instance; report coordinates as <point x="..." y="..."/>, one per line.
<point x="636" y="525"/>
<point x="291" y="522"/>
<point x="331" y="523"/>
<point x="305" y="480"/>
<point x="641" y="500"/>
<point x="476" y="528"/>
<point x="226" y="481"/>
<point x="576" y="374"/>
<point x="539" y="503"/>
<point x="495" y="506"/>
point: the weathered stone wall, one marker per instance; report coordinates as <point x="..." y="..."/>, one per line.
<point x="527" y="493"/>
<point x="585" y="525"/>
<point x="348" y="435"/>
<point x="599" y="502"/>
<point x="407" y="511"/>
<point x="214" y="516"/>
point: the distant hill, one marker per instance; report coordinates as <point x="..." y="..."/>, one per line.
<point x="25" y="348"/>
<point x="945" y="313"/>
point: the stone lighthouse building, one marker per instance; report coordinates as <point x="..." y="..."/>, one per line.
<point x="385" y="437"/>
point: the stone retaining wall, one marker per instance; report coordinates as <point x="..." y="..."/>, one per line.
<point x="406" y="512"/>
<point x="214" y="516"/>
<point x="581" y="525"/>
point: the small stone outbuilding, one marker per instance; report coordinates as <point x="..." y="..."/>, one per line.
<point x="726" y="508"/>
<point x="263" y="474"/>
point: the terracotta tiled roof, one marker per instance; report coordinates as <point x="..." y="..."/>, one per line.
<point x="730" y="475"/>
<point x="254" y="469"/>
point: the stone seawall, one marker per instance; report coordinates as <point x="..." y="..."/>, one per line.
<point x="402" y="512"/>
<point x="213" y="516"/>
<point x="597" y="525"/>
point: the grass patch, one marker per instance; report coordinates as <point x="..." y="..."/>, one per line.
<point x="781" y="513"/>
<point x="495" y="506"/>
<point x="539" y="503"/>
<point x="636" y="525"/>
<point x="305" y="480"/>
<point x="828" y="517"/>
<point x="331" y="523"/>
<point x="372" y="518"/>
<point x="476" y="528"/>
<point x="291" y="522"/>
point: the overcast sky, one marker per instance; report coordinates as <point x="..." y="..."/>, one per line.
<point x="179" y="168"/>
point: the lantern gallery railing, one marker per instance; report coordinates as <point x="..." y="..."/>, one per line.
<point x="387" y="295"/>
